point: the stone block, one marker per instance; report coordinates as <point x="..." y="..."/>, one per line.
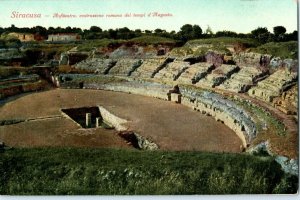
<point x="98" y="122"/>
<point x="176" y="97"/>
<point x="88" y="120"/>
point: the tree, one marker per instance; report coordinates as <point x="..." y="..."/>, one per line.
<point x="197" y="32"/>
<point x="40" y="30"/>
<point x="148" y="31"/>
<point x="188" y="32"/>
<point x="261" y="34"/>
<point x="259" y="31"/>
<point x="158" y="31"/>
<point x="112" y="33"/>
<point x="226" y="34"/>
<point x="279" y="32"/>
<point x="209" y="31"/>
<point x="95" y="29"/>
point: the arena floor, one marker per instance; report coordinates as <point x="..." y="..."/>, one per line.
<point x="171" y="126"/>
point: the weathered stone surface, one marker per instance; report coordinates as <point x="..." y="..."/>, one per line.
<point x="243" y="80"/>
<point x="135" y="52"/>
<point x="145" y="144"/>
<point x="148" y="67"/>
<point x="176" y="97"/>
<point x="172" y="71"/>
<point x="290" y="64"/>
<point x="214" y="58"/>
<point x="288" y="166"/>
<point x="287" y="102"/>
<point x="274" y="85"/>
<point x="111" y="119"/>
<point x="124" y="67"/>
<point x="276" y="62"/>
<point x="252" y="59"/>
<point x="194" y="73"/>
<point x="218" y="76"/>
<point x="262" y="148"/>
<point x="96" y="65"/>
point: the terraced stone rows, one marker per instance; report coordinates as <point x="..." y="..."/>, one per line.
<point x="195" y="72"/>
<point x="274" y="85"/>
<point x="148" y="67"/>
<point x="125" y="67"/>
<point x="218" y="76"/>
<point x="172" y="71"/>
<point x="97" y="65"/>
<point x="287" y="102"/>
<point x="243" y="80"/>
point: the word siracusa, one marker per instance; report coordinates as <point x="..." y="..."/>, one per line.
<point x="16" y="14"/>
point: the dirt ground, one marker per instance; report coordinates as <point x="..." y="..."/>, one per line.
<point x="171" y="126"/>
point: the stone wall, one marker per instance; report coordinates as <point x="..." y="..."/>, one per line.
<point x="287" y="102"/>
<point x="252" y="59"/>
<point x="111" y="119"/>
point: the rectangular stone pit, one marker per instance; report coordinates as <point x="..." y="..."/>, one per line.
<point x="84" y="116"/>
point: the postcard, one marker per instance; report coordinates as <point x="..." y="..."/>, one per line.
<point x="149" y="97"/>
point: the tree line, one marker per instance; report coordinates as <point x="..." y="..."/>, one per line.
<point x="186" y="32"/>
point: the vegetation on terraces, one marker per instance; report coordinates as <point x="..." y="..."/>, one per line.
<point x="279" y="49"/>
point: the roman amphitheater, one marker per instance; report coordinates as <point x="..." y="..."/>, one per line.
<point x="156" y="102"/>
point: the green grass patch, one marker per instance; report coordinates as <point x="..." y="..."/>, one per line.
<point x="69" y="171"/>
<point x="148" y="40"/>
<point x="6" y="72"/>
<point x="224" y="41"/>
<point x="89" y="45"/>
<point x="48" y="48"/>
<point x="279" y="49"/>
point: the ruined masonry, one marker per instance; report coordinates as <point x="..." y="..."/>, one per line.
<point x="218" y="76"/>
<point x="243" y="80"/>
<point x="274" y="85"/>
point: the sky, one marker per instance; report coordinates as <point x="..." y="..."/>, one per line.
<point x="240" y="16"/>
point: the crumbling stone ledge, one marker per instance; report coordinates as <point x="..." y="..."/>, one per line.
<point x="138" y="141"/>
<point x="113" y="120"/>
